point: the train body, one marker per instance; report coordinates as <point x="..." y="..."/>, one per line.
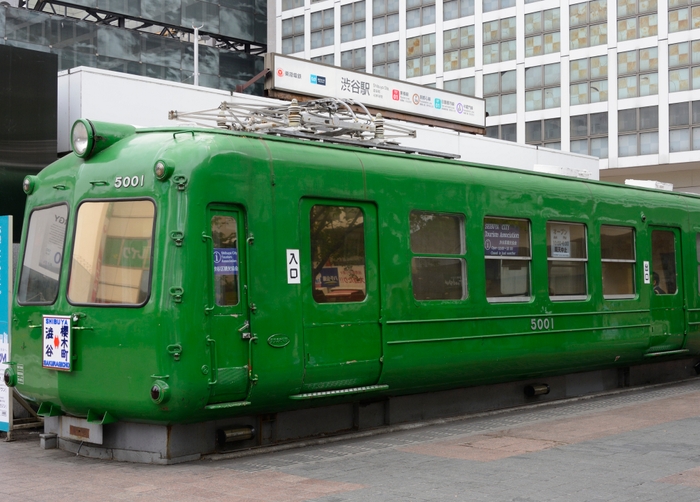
<point x="178" y="275"/>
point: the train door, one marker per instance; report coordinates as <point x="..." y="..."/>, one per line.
<point x="227" y="310"/>
<point x="342" y="332"/>
<point x="667" y="304"/>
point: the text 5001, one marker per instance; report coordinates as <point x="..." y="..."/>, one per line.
<point x="128" y="181"/>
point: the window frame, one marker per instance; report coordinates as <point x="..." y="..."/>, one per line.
<point x="528" y="259"/>
<point x="151" y="258"/>
<point x="462" y="256"/>
<point x="632" y="262"/>
<point x="584" y="260"/>
<point x="24" y="255"/>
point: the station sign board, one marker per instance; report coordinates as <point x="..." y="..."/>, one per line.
<point x="306" y="78"/>
<point x="5" y="302"/>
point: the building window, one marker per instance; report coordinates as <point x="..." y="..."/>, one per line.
<point x="291" y="4"/>
<point x="567" y="257"/>
<point x="385" y="16"/>
<point x="419" y="13"/>
<point x="542" y="89"/>
<point x="420" y="56"/>
<point x="352" y="21"/>
<point x="454" y="9"/>
<point x="507" y="253"/>
<point x="385" y="59"/>
<point x="499" y="91"/>
<point x="506" y="132"/>
<point x="354" y="59"/>
<point x="618" y="259"/>
<point x="459" y="50"/>
<point x="546" y="133"/>
<point x="293" y="35"/>
<point x="325" y="59"/>
<point x="684" y="120"/>
<point x="588" y="23"/>
<point x="638" y="75"/>
<point x="466" y="86"/>
<point x="589" y="80"/>
<point x="589" y="134"/>
<point x="322" y="31"/>
<point x="644" y="124"/>
<point x="684" y="69"/>
<point x="499" y="40"/>
<point x="636" y="19"/>
<point x="438" y="265"/>
<point x="491" y="5"/>
<point x="542" y="34"/>
<point x="683" y="18"/>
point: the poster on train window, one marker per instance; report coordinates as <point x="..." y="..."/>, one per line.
<point x="561" y="241"/>
<point x="56" y="343"/>
<point x="501" y="239"/>
<point x="5" y="300"/>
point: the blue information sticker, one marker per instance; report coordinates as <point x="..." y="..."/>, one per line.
<point x="226" y="261"/>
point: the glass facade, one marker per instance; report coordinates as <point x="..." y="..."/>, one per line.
<point x="84" y="43"/>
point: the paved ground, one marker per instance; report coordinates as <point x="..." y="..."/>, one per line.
<point x="641" y="445"/>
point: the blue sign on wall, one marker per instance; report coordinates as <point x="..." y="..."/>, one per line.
<point x="329" y="277"/>
<point x="5" y="295"/>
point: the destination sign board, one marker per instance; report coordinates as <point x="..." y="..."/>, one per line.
<point x="307" y="78"/>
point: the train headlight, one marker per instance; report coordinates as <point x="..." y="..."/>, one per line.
<point x="29" y="184"/>
<point x="82" y="138"/>
<point x="162" y="170"/>
<point x="10" y="377"/>
<point x="160" y="392"/>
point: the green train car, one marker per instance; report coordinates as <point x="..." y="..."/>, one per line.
<point x="178" y="275"/>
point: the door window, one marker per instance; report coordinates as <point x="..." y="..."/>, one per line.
<point x="224" y="234"/>
<point x="663" y="262"/>
<point x="338" y="254"/>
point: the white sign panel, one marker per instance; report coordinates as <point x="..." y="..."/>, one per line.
<point x="313" y="79"/>
<point x="561" y="241"/>
<point x="293" y="269"/>
<point x="647" y="273"/>
<point x="56" y="347"/>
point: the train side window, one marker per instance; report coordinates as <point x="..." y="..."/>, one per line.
<point x="112" y="252"/>
<point x="618" y="261"/>
<point x="439" y="273"/>
<point x="43" y="255"/>
<point x="567" y="258"/>
<point x="224" y="234"/>
<point x="508" y="257"/>
<point x="338" y="254"/>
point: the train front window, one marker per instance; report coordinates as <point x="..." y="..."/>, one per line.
<point x="43" y="256"/>
<point x="507" y="253"/>
<point x="112" y="253"/>
<point x="338" y="254"/>
<point x="618" y="259"/>
<point x="438" y="265"/>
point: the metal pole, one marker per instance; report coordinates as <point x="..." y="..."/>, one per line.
<point x="196" y="54"/>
